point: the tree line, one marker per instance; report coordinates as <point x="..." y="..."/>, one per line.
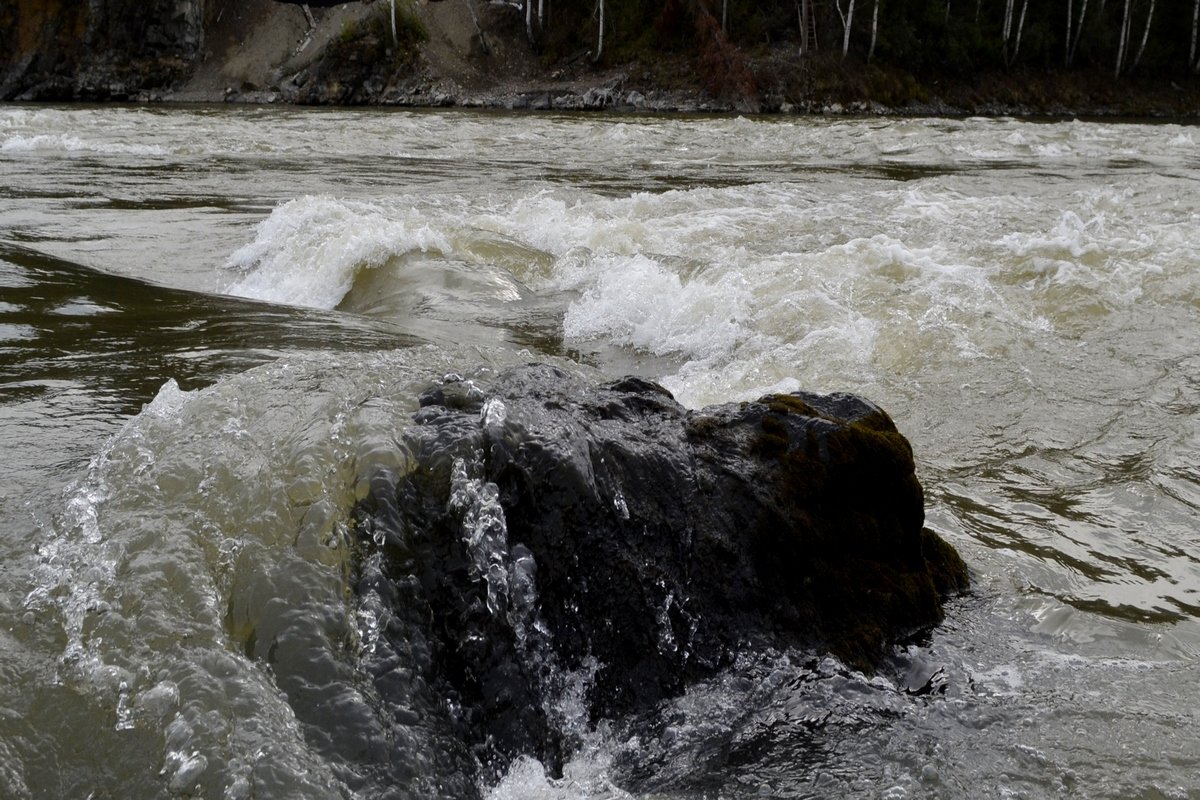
<point x="1117" y="37"/>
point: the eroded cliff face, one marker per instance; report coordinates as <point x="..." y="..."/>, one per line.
<point x="266" y="51"/>
<point x="205" y="50"/>
<point x="101" y="49"/>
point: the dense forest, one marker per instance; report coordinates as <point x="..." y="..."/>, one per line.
<point x="1081" y="40"/>
<point x="1158" y="37"/>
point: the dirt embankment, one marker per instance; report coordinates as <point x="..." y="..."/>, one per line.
<point x="444" y="53"/>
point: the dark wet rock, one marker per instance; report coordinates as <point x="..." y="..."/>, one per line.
<point x="550" y="537"/>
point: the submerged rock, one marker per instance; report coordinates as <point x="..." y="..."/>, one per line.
<point x="556" y="552"/>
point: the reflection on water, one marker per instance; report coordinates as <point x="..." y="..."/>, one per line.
<point x="139" y="335"/>
<point x="88" y="350"/>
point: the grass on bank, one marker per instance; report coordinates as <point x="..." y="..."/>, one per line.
<point x="370" y="38"/>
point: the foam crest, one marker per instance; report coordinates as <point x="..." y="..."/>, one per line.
<point x="309" y="250"/>
<point x="590" y="771"/>
<point x="641" y="303"/>
<point x="588" y="774"/>
<point x="1093" y="258"/>
<point x="68" y="143"/>
<point x="756" y="288"/>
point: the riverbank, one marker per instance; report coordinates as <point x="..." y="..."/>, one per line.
<point x="455" y="54"/>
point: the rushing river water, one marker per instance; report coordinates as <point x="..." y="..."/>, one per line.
<point x="212" y="321"/>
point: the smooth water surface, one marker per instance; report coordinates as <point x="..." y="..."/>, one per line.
<point x="213" y="320"/>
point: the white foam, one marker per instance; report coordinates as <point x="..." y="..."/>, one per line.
<point x="586" y="775"/>
<point x="169" y="403"/>
<point x="69" y="143"/>
<point x="1071" y="237"/>
<point x="308" y="251"/>
<point x="637" y="302"/>
<point x="752" y="288"/>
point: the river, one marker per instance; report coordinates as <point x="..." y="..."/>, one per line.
<point x="211" y="318"/>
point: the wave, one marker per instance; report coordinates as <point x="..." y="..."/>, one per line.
<point x="196" y="582"/>
<point x="320" y="252"/>
<point x="70" y="143"/>
<point x="747" y="289"/>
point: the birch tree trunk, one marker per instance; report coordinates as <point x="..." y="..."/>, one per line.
<point x="847" y="20"/>
<point x="1145" y="36"/>
<point x="1122" y="41"/>
<point x="803" y="10"/>
<point x="875" y="29"/>
<point x="1020" y="28"/>
<point x="725" y="16"/>
<point x="1010" y="6"/>
<point x="541" y="15"/>
<point x="1073" y="40"/>
<point x="1195" y="63"/>
<point x="804" y="34"/>
<point x="600" y="38"/>
<point x="395" y="41"/>
<point x="1067" y="41"/>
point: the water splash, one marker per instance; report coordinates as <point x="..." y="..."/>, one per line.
<point x="485" y="532"/>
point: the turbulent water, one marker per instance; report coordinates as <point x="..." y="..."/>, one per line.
<point x="214" y="321"/>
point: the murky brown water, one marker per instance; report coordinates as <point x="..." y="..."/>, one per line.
<point x="1024" y="298"/>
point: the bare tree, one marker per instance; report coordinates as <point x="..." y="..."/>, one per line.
<point x="1020" y="27"/>
<point x="1145" y="37"/>
<point x="875" y="28"/>
<point x="600" y="37"/>
<point x="1067" y="42"/>
<point x="1195" y="63"/>
<point x="1073" y="38"/>
<point x="483" y="42"/>
<point x="1011" y="36"/>
<point x="847" y="20"/>
<point x="1008" y="12"/>
<point x="808" y="38"/>
<point x="1122" y="41"/>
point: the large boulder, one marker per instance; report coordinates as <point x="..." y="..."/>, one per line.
<point x="549" y="537"/>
